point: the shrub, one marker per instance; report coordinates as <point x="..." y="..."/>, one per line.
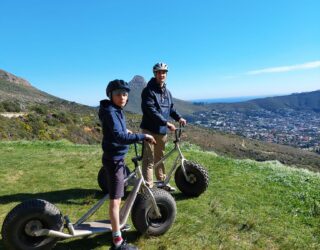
<point x="11" y="106"/>
<point x="40" y="109"/>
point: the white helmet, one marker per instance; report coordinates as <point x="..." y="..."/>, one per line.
<point x="160" y="66"/>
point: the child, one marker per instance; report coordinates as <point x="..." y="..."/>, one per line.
<point x="116" y="138"/>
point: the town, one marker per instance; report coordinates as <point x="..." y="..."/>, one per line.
<point x="288" y="127"/>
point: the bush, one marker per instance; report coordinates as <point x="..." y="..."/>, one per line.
<point x="2" y="108"/>
<point x="36" y="123"/>
<point x="11" y="106"/>
<point x="63" y="117"/>
<point x="40" y="109"/>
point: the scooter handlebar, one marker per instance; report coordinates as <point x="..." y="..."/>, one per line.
<point x="138" y="157"/>
<point x="178" y="133"/>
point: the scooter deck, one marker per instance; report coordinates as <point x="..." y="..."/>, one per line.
<point x="93" y="227"/>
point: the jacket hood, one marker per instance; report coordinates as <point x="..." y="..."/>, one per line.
<point x="106" y="105"/>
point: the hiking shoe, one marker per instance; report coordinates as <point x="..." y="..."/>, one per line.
<point x="168" y="188"/>
<point x="123" y="246"/>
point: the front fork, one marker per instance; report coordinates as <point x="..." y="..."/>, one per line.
<point x="145" y="189"/>
<point x="175" y="166"/>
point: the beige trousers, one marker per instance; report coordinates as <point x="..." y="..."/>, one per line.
<point x="152" y="153"/>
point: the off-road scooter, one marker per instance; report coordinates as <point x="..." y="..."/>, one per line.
<point x="37" y="224"/>
<point x="191" y="178"/>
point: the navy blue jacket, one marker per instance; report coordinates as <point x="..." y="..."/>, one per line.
<point x="115" y="137"/>
<point x="157" y="107"/>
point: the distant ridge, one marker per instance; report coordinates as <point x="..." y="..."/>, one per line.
<point x="4" y="75"/>
<point x="297" y="101"/>
<point x="308" y="101"/>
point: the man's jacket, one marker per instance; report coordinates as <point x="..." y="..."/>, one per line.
<point x="115" y="136"/>
<point x="157" y="106"/>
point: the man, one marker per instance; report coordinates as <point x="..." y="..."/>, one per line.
<point x="157" y="107"/>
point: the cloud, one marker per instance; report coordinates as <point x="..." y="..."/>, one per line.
<point x="309" y="65"/>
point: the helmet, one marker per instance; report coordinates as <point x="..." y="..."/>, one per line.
<point x="117" y="84"/>
<point x="160" y="66"/>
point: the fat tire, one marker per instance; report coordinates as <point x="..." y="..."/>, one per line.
<point x="13" y="231"/>
<point x="102" y="179"/>
<point x="200" y="177"/>
<point x="141" y="212"/>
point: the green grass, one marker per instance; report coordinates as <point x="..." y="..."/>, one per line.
<point x="248" y="205"/>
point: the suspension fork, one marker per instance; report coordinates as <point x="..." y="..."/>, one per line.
<point x="183" y="160"/>
<point x="145" y="189"/>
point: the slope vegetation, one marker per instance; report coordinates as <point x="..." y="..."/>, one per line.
<point x="248" y="205"/>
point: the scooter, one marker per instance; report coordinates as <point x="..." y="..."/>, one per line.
<point x="191" y="178"/>
<point x="37" y="224"/>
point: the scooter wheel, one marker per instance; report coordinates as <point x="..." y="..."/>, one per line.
<point x="198" y="179"/>
<point x="24" y="219"/>
<point x="102" y="179"/>
<point x="143" y="215"/>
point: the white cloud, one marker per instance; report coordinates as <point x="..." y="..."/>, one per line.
<point x="309" y="65"/>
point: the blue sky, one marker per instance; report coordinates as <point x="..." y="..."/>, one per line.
<point x="214" y="49"/>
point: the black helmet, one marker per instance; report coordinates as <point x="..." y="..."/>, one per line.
<point x="117" y="84"/>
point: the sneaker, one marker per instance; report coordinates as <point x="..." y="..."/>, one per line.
<point x="117" y="242"/>
<point x="168" y="188"/>
<point x="123" y="246"/>
<point x="125" y="228"/>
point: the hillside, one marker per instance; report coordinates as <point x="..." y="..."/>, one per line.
<point x="239" y="147"/>
<point x="16" y="89"/>
<point x="43" y="116"/>
<point x="52" y="118"/>
<point x="17" y="94"/>
<point x="248" y="205"/>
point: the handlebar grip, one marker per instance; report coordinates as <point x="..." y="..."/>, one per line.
<point x="136" y="149"/>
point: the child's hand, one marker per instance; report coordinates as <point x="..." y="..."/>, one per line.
<point x="150" y="139"/>
<point x="171" y="126"/>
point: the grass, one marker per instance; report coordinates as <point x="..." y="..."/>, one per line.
<point x="248" y="205"/>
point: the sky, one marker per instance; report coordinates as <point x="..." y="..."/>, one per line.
<point x="214" y="48"/>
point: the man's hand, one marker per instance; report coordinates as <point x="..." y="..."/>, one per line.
<point x="129" y="131"/>
<point x="171" y="126"/>
<point x="150" y="139"/>
<point x="182" y="122"/>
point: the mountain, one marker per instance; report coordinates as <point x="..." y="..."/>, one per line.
<point x="309" y="101"/>
<point x="16" y="89"/>
<point x="39" y="115"/>
<point x="306" y="101"/>
<point x="137" y="84"/>
<point x="17" y="94"/>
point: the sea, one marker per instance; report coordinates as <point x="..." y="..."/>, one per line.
<point x="227" y="99"/>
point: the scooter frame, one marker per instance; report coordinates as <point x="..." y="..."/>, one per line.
<point x="82" y="228"/>
<point x="179" y="159"/>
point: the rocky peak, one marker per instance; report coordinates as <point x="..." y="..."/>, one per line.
<point x="13" y="79"/>
<point x="137" y="82"/>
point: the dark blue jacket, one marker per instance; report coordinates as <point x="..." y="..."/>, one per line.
<point x="115" y="137"/>
<point x="157" y="107"/>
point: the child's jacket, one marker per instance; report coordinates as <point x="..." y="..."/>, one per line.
<point x="115" y="137"/>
